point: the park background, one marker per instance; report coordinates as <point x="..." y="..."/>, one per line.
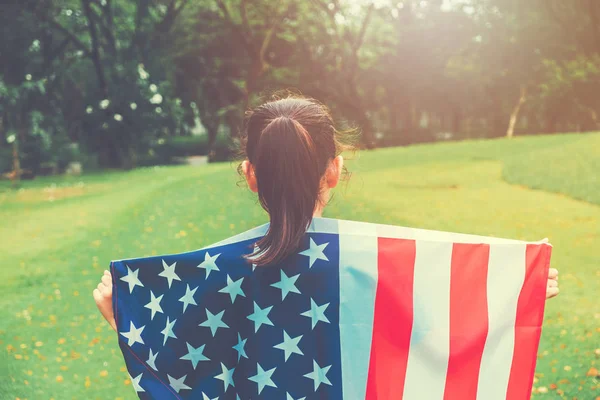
<point x="475" y="116"/>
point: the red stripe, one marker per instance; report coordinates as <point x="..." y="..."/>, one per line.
<point x="393" y="319"/>
<point x="528" y="324"/>
<point x="468" y="319"/>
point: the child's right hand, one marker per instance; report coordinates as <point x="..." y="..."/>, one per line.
<point x="103" y="298"/>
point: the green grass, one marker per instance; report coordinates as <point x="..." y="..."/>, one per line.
<point x="572" y="168"/>
<point x="57" y="235"/>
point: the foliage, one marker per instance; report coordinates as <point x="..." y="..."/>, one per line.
<point x="115" y="76"/>
<point x="575" y="85"/>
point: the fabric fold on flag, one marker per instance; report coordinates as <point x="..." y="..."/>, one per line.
<point x="360" y="311"/>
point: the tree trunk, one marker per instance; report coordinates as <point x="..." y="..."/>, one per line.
<point x="408" y="122"/>
<point x="551" y="121"/>
<point x="394" y="121"/>
<point x="394" y="106"/>
<point x="234" y="123"/>
<point x="212" y="131"/>
<point x="594" y="121"/>
<point x="366" y="128"/>
<point x="16" y="174"/>
<point x="256" y="71"/>
<point x="132" y="160"/>
<point x="515" y="113"/>
<point x="138" y="42"/>
<point x="593" y="12"/>
<point x="95" y="47"/>
<point x="456" y="121"/>
<point x="109" y="31"/>
<point x="211" y="124"/>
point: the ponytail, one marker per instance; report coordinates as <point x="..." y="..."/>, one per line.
<point x="289" y="143"/>
<point x="288" y="179"/>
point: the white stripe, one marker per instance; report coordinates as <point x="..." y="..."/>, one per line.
<point x="253" y="233"/>
<point x="399" y="232"/>
<point x="506" y="274"/>
<point x="323" y="225"/>
<point x="358" y="284"/>
<point x="430" y="338"/>
<point x="436" y="236"/>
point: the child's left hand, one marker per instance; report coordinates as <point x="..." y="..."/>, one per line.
<point x="552" y="286"/>
<point x="103" y="298"/>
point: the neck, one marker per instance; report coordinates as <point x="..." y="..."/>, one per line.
<point x="321" y="205"/>
<point x="318" y="212"/>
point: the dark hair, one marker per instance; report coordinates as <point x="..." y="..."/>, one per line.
<point x="289" y="143"/>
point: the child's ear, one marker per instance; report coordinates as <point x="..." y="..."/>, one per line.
<point x="334" y="171"/>
<point x="248" y="170"/>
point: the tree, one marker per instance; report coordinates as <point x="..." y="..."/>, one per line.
<point x="255" y="27"/>
<point x="329" y="38"/>
<point x="119" y="77"/>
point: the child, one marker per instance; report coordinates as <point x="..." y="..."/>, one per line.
<point x="292" y="160"/>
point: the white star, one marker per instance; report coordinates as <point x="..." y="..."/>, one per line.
<point x="316" y="313"/>
<point x="151" y="361"/>
<point x="178" y="384"/>
<point x="205" y="397"/>
<point x="263" y="378"/>
<point x="168" y="331"/>
<point x="195" y="355"/>
<point x="239" y="347"/>
<point x="319" y="375"/>
<point x="234" y="288"/>
<point x="154" y="304"/>
<point x="169" y="272"/>
<point x="289" y="345"/>
<point x="226" y="376"/>
<point x="134" y="335"/>
<point x="315" y="252"/>
<point x="135" y="382"/>
<point x="260" y="316"/>
<point x="132" y="279"/>
<point x="209" y="263"/>
<point x="214" y="321"/>
<point x="188" y="297"/>
<point x="287" y="284"/>
<point x="289" y="397"/>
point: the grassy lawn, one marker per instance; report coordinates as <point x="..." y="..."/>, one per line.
<point x="58" y="235"/>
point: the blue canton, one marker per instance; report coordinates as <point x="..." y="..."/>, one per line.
<point x="208" y="325"/>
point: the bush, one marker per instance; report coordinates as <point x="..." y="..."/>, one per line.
<point x="166" y="151"/>
<point x="34" y="153"/>
<point x="152" y="158"/>
<point x="181" y="146"/>
<point x="89" y="161"/>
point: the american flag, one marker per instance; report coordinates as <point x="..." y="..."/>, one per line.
<point x="361" y="311"/>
